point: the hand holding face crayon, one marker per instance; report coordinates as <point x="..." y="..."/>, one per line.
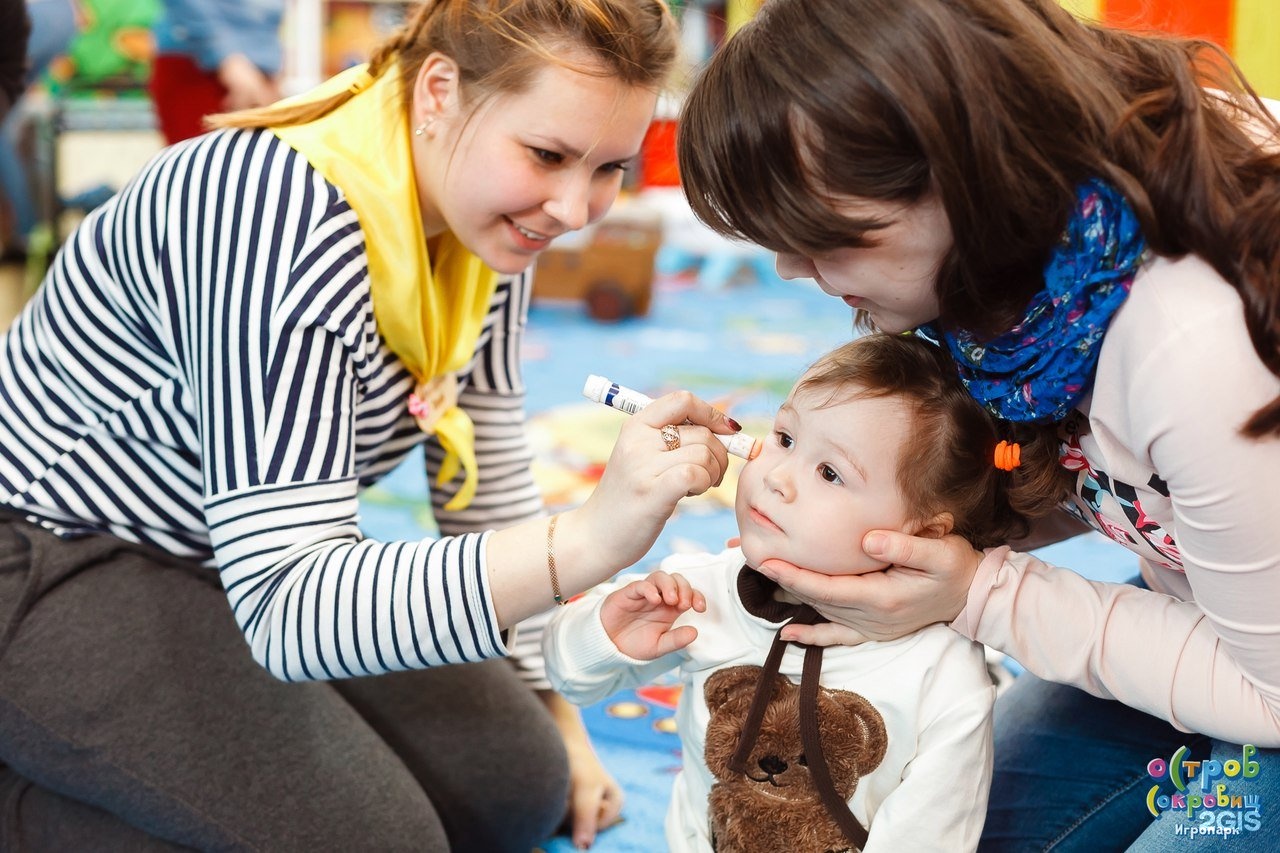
<point x="672" y="448"/>
<point x="601" y="390"/>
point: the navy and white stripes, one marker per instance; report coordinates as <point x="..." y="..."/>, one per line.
<point x="201" y="371"/>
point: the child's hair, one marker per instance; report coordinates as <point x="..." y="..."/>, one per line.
<point x="947" y="458"/>
<point x="499" y="45"/>
<point x="1000" y="108"/>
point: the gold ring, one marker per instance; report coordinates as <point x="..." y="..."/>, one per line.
<point x="671" y="436"/>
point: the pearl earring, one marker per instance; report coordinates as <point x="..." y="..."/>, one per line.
<point x="420" y="129"/>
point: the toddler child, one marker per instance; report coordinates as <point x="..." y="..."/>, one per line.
<point x="889" y="748"/>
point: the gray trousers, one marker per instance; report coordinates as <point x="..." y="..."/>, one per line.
<point x="132" y="717"/>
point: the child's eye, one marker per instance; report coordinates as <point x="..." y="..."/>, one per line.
<point x="549" y="157"/>
<point x="830" y="475"/>
<point x="619" y="166"/>
<point x="784" y="440"/>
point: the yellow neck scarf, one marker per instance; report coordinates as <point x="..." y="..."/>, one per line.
<point x="429" y="310"/>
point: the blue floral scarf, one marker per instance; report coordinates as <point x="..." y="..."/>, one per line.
<point x="1037" y="371"/>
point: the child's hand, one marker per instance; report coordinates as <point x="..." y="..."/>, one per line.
<point x="639" y="616"/>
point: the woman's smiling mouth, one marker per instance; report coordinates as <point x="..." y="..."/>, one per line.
<point x="527" y="238"/>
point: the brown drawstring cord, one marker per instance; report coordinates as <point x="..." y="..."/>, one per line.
<point x="835" y="805"/>
<point x="809" y="737"/>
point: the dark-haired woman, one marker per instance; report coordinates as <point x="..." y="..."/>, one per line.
<point x="1090" y="221"/>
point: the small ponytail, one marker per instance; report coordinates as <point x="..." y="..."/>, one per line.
<point x="1039" y="483"/>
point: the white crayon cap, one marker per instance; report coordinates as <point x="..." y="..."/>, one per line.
<point x="596" y="388"/>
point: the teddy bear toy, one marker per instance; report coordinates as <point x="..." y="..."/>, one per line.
<point x="776" y="805"/>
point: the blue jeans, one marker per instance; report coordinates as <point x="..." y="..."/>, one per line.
<point x="1071" y="774"/>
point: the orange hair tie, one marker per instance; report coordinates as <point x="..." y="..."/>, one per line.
<point x="1008" y="455"/>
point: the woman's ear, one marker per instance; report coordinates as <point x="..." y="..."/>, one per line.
<point x="435" y="91"/>
<point x="937" y="527"/>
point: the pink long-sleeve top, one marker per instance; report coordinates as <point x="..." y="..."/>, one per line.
<point x="1163" y="469"/>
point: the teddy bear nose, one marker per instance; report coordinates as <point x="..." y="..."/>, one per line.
<point x="772" y="764"/>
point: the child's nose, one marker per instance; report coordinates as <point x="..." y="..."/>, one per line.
<point x="779" y="479"/>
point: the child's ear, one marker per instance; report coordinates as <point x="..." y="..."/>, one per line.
<point x="937" y="527"/>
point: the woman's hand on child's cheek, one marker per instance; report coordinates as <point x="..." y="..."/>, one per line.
<point x="822" y="592"/>
<point x="823" y="634"/>
<point x="932" y="575"/>
<point x="928" y="581"/>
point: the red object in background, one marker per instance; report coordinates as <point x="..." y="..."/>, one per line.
<point x="662" y="695"/>
<point x="658" y="167"/>
<point x="183" y="95"/>
<point x="1210" y="20"/>
<point x="1206" y="19"/>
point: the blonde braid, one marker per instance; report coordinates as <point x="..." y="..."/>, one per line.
<point x="407" y="35"/>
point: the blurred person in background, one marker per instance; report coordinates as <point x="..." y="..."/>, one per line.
<point x="13" y="50"/>
<point x="52" y="25"/>
<point x="214" y="56"/>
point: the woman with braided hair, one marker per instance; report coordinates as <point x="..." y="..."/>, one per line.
<point x="198" y="647"/>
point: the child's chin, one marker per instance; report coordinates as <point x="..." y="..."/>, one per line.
<point x="753" y="553"/>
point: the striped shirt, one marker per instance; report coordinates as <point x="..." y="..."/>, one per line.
<point x="201" y="372"/>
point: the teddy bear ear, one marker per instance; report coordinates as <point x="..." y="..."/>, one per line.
<point x="871" y="726"/>
<point x="724" y="684"/>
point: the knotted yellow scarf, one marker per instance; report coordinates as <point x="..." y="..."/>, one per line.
<point x="429" y="310"/>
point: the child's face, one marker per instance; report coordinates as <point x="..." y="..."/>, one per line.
<point x="825" y="476"/>
<point x="525" y="167"/>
